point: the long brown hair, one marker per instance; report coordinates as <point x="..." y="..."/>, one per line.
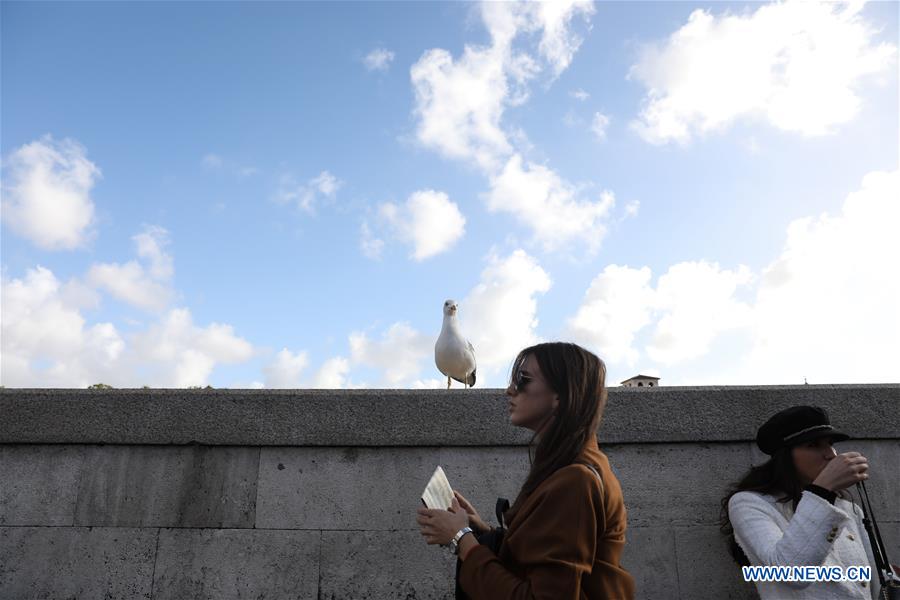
<point x="777" y="476"/>
<point x="578" y="378"/>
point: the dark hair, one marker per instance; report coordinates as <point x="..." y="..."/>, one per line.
<point x="578" y="378"/>
<point x="778" y="477"/>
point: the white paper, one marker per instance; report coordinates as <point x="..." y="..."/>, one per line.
<point x="438" y="493"/>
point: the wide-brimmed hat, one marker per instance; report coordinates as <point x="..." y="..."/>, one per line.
<point x="796" y="425"/>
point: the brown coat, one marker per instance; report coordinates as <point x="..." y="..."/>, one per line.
<point x="563" y="543"/>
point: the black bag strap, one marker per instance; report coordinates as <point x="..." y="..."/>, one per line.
<point x="602" y="491"/>
<point x="503" y="504"/>
<point x="882" y="563"/>
<point x="597" y="473"/>
<point x="501" y="507"/>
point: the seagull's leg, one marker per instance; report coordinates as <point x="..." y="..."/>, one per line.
<point x="448" y="382"/>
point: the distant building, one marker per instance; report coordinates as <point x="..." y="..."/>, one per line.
<point x="641" y="381"/>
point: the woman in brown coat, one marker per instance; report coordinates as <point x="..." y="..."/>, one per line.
<point x="567" y="526"/>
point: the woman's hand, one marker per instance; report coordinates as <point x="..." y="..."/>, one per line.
<point x="842" y="471"/>
<point x="475" y="521"/>
<point x="439" y="526"/>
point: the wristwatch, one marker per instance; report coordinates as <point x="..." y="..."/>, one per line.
<point x="454" y="543"/>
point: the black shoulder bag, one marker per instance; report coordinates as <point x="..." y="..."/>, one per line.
<point x="492" y="539"/>
<point x="890" y="586"/>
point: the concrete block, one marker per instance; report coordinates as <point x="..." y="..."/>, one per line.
<point x="76" y="562"/>
<point x="376" y="488"/>
<point x="649" y="557"/>
<point x="39" y="484"/>
<point x="705" y="567"/>
<point x="225" y="564"/>
<point x="371" y="565"/>
<point x="890" y="535"/>
<point x="883" y="484"/>
<point x="675" y="484"/>
<point x="414" y="417"/>
<point x="168" y="486"/>
<point x="482" y="475"/>
<point x="349" y="488"/>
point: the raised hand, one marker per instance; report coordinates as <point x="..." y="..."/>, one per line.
<point x="843" y="470"/>
<point x="475" y="521"/>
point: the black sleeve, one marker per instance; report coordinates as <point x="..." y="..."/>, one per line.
<point x="821" y="492"/>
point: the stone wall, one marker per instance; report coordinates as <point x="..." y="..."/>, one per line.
<point x="265" y="494"/>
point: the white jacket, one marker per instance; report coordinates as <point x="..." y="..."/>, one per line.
<point x="819" y="533"/>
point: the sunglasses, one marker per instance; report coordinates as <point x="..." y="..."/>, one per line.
<point x="520" y="380"/>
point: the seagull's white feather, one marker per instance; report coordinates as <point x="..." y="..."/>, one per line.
<point x="453" y="354"/>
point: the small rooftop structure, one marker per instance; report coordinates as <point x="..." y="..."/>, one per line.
<point x="641" y="381"/>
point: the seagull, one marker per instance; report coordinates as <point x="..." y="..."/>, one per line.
<point x="454" y="354"/>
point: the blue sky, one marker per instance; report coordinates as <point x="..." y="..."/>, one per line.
<point x="284" y="194"/>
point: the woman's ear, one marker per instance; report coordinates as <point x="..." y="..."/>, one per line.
<point x="555" y="401"/>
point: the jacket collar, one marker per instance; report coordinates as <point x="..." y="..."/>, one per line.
<point x="591" y="453"/>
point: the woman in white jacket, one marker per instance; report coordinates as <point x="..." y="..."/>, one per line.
<point x="794" y="511"/>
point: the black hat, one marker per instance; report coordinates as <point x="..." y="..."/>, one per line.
<point x="796" y="425"/>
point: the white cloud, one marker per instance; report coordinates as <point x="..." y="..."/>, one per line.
<point x="559" y="45"/>
<point x="326" y="184"/>
<point x="333" y="375"/>
<point x="824" y="309"/>
<point x="370" y="245"/>
<point x="429" y="384"/>
<point x="598" y="125"/>
<point x="632" y="208"/>
<point x="399" y="355"/>
<point x="615" y="307"/>
<point x="795" y="64"/>
<point x="286" y="369"/>
<point x="213" y="161"/>
<point x="537" y="197"/>
<point x="40" y="323"/>
<point x="459" y="104"/>
<point x="46" y="342"/>
<point x="147" y="287"/>
<point x="827" y="306"/>
<point x="499" y="315"/>
<point x="570" y="119"/>
<point x="45" y="339"/>
<point x="177" y="353"/>
<point x="696" y="302"/>
<point x="378" y="59"/>
<point x="506" y="20"/>
<point x="46" y="196"/>
<point x="216" y="162"/>
<point x="129" y="282"/>
<point x="306" y="196"/>
<point x="429" y="221"/>
<point x="692" y="304"/>
<point x="150" y="244"/>
<point x="579" y="94"/>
